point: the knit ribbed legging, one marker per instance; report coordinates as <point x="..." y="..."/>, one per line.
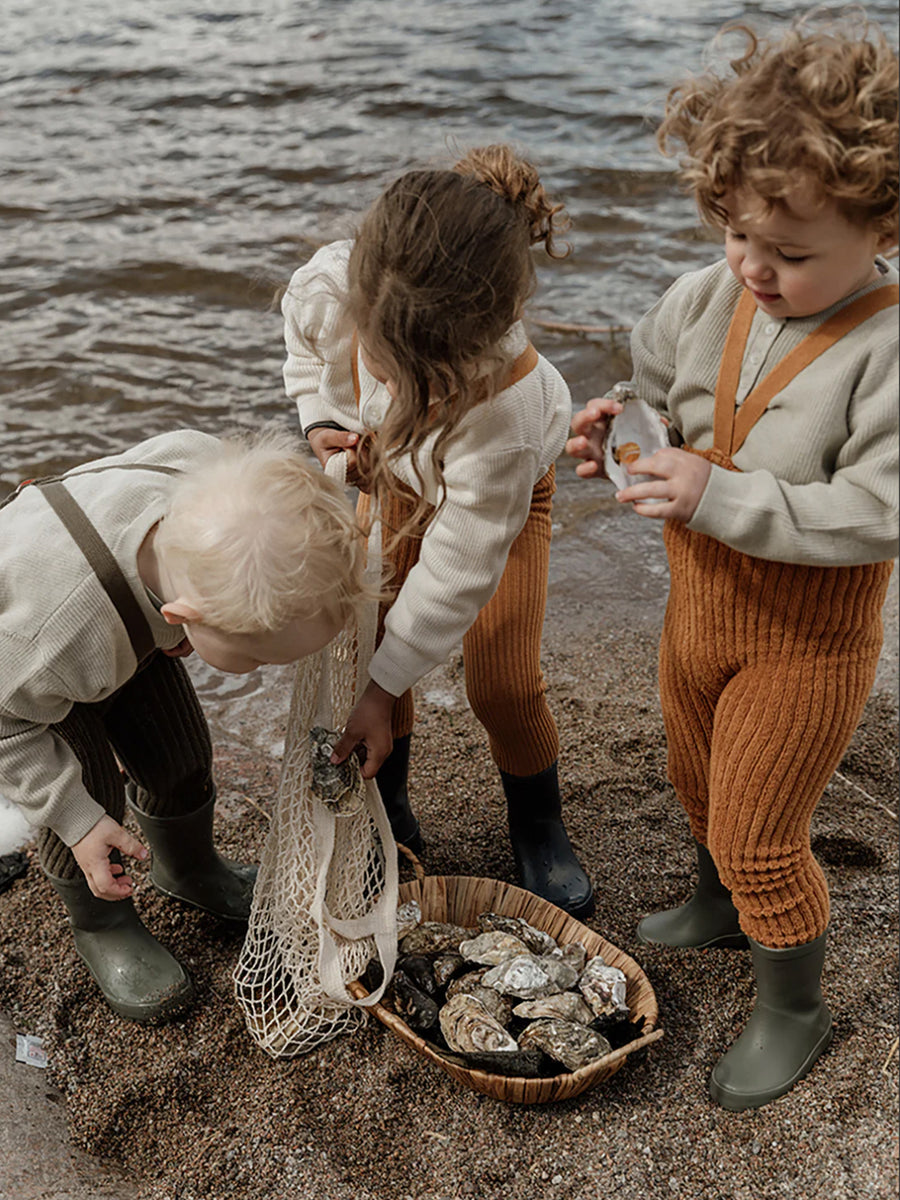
<point x="764" y="671"/>
<point x="155" y="725"/>
<point x="502" y="650"/>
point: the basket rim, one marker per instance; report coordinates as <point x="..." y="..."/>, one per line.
<point x="612" y="1060"/>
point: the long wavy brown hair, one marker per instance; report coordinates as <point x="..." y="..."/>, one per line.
<point x="440" y="268"/>
<point x="820" y="103"/>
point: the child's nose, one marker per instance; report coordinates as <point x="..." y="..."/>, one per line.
<point x="756" y="265"/>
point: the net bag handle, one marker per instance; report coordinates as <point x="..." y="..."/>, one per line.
<point x="380" y="923"/>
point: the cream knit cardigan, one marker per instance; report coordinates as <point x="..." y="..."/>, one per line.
<point x="819" y="470"/>
<point x="504" y="447"/>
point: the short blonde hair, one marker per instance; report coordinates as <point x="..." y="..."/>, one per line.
<point x="261" y="537"/>
<point x="820" y="104"/>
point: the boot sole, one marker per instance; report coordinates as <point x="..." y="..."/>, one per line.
<point x="200" y="907"/>
<point x="734" y="1101"/>
<point x="728" y="941"/>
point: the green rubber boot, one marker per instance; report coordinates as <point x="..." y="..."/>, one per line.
<point x="188" y="867"/>
<point x="138" y="977"/>
<point x="788" y="1029"/>
<point x="709" y="918"/>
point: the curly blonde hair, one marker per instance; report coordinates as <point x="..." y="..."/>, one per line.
<point x="440" y="268"/>
<point x="817" y="103"/>
<point x="260" y="537"/>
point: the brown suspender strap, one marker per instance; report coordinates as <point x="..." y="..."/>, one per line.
<point x="730" y="427"/>
<point x="522" y="366"/>
<point x="730" y="372"/>
<point x="104" y="565"/>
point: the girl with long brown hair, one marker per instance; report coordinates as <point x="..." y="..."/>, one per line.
<point x="406" y="352"/>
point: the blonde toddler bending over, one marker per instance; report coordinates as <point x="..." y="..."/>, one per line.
<point x="110" y="574"/>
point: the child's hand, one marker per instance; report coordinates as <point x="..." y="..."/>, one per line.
<point x="680" y="478"/>
<point x="590" y="427"/>
<point x="107" y="880"/>
<point x="324" y="442"/>
<point x="368" y="725"/>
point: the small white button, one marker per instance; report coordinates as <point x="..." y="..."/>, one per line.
<point x="772" y="327"/>
<point x="754" y="358"/>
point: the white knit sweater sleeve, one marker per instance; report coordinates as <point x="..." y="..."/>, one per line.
<point x="38" y="771"/>
<point x="462" y="558"/>
<point x="318" y="340"/>
<point x="654" y="344"/>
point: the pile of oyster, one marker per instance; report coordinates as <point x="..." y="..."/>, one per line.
<point x="506" y="997"/>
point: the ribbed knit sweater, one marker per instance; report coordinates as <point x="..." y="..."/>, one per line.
<point x="818" y="478"/>
<point x="61" y="639"/>
<point x="504" y="447"/>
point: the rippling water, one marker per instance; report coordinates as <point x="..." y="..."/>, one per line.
<point x="168" y="163"/>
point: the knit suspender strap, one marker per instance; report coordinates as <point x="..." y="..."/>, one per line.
<point x="107" y="570"/>
<point x="730" y="426"/>
<point x="522" y="366"/>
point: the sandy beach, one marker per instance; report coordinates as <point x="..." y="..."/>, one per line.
<point x="194" y="1109"/>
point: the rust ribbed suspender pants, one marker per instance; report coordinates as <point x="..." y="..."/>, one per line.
<point x="765" y="668"/>
<point x="502" y="649"/>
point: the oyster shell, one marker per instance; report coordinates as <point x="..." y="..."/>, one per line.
<point x="604" y="988"/>
<point x="636" y="432"/>
<point x="526" y="976"/>
<point x="465" y="983"/>
<point x="492" y="947"/>
<point x="445" y="967"/>
<point x="567" y="1042"/>
<point x="536" y="940"/>
<point x="565" y="1006"/>
<point x="500" y="1007"/>
<point x="434" y="937"/>
<point x="420" y="969"/>
<point x="409" y="915"/>
<point x="339" y="784"/>
<point x="573" y="953"/>
<point x="467" y="1025"/>
<point x="419" y="1011"/>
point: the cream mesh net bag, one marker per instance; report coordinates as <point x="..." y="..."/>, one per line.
<point x="325" y="900"/>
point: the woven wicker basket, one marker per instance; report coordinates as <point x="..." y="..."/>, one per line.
<point x="460" y="899"/>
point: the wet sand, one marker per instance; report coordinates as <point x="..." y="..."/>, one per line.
<point x="194" y="1109"/>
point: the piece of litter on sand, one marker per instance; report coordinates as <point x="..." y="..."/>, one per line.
<point x="30" y="1050"/>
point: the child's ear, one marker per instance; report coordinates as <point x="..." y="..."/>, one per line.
<point x="178" y="612"/>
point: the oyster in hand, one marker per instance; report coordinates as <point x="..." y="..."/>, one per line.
<point x="637" y="432"/>
<point x="340" y="784"/>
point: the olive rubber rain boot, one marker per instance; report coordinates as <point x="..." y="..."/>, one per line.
<point x="188" y="867"/>
<point x="138" y="977"/>
<point x="545" y="861"/>
<point x="709" y="918"/>
<point x="391" y="778"/>
<point x="787" y="1030"/>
